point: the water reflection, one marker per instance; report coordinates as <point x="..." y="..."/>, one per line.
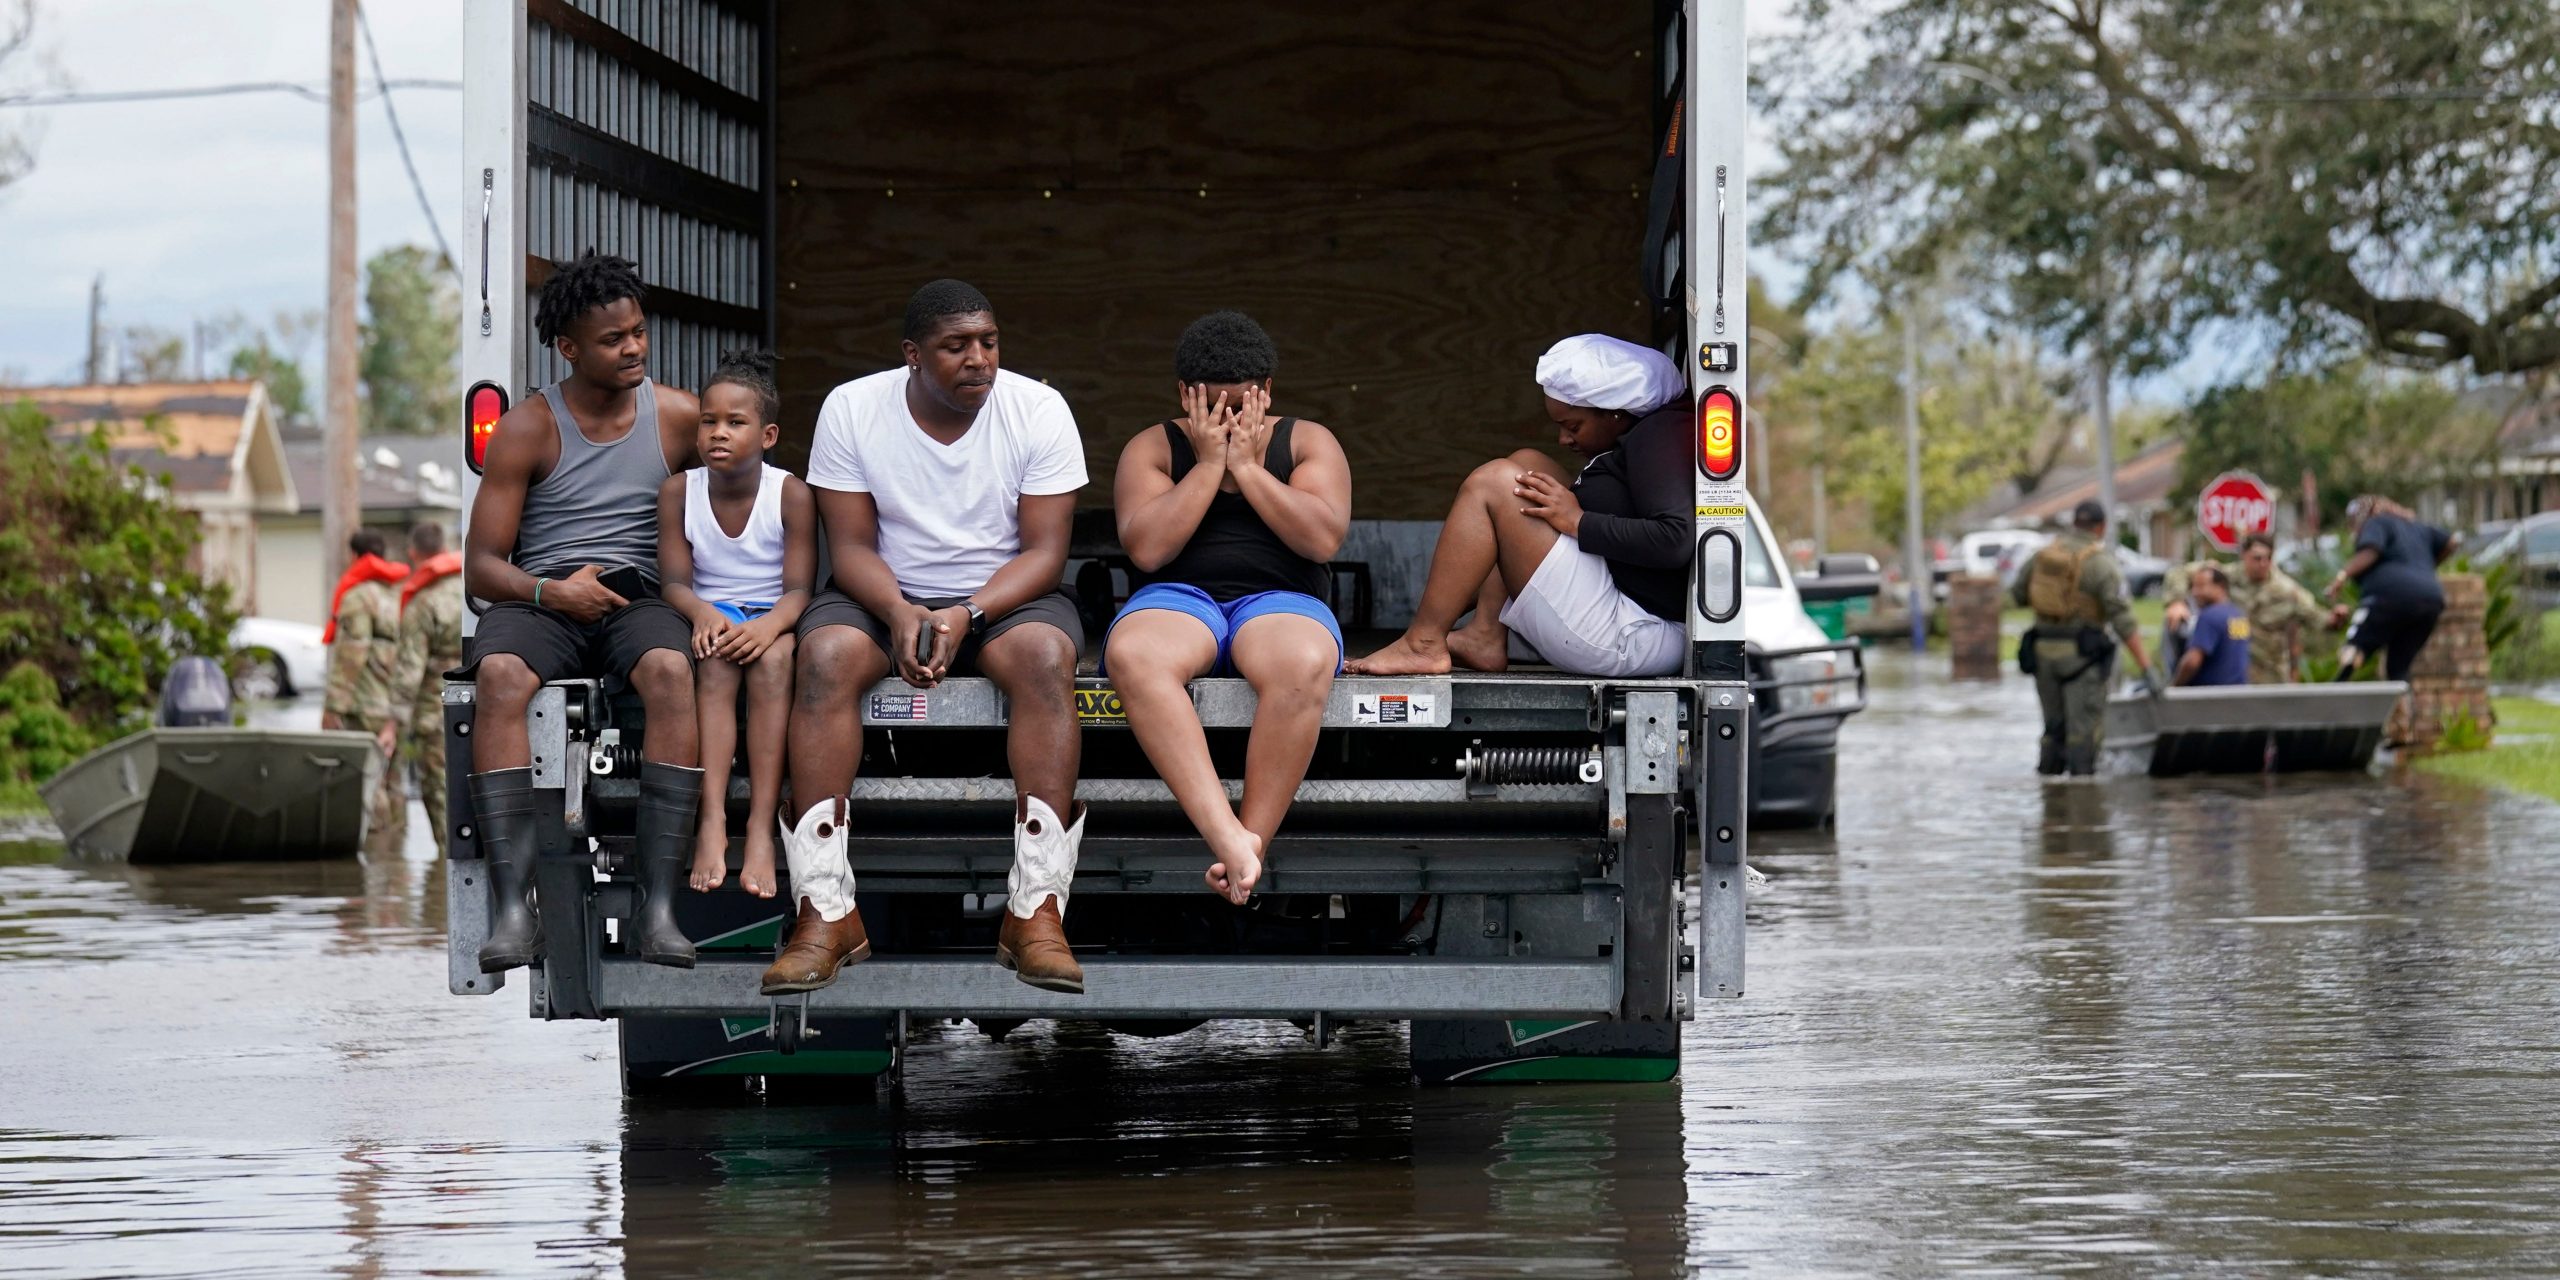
<point x="1070" y="1151"/>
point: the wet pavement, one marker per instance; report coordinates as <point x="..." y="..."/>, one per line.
<point x="2300" y="1026"/>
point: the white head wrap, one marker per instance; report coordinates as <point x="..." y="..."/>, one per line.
<point x="1596" y="371"/>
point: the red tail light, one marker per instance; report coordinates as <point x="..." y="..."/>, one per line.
<point x="482" y="406"/>
<point x="1719" y="434"/>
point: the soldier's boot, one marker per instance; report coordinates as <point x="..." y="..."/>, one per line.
<point x="507" y="809"/>
<point x="2081" y="758"/>
<point x="670" y="800"/>
<point x="2049" y="760"/>
<point x="826" y="933"/>
<point x="1033" y="941"/>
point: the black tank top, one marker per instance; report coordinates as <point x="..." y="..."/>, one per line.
<point x="1234" y="554"/>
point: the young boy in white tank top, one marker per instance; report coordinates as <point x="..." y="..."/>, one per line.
<point x="737" y="551"/>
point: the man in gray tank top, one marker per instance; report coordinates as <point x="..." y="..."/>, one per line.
<point x="564" y="545"/>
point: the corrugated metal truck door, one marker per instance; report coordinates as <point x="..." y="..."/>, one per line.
<point x="648" y="133"/>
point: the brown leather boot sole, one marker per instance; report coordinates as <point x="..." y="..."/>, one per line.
<point x="818" y="950"/>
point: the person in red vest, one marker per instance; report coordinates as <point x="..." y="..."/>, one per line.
<point x="431" y="608"/>
<point x="364" y="639"/>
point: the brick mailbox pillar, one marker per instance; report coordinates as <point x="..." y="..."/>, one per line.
<point x="2451" y="676"/>
<point x="1973" y="626"/>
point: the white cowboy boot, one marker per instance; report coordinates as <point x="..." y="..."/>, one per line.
<point x="828" y="934"/>
<point x="1033" y="942"/>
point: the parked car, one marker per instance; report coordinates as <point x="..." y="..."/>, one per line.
<point x="1804" y="683"/>
<point x="274" y="658"/>
<point x="2534" y="542"/>
<point x="2143" y="574"/>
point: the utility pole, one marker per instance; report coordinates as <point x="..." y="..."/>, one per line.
<point x="2100" y="371"/>
<point x="97" y="328"/>
<point x="1915" y="545"/>
<point x="342" y="501"/>
<point x="1821" y="500"/>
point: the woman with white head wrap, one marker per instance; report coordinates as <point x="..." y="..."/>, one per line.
<point x="1591" y="570"/>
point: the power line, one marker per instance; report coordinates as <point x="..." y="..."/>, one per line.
<point x="425" y="206"/>
<point x="308" y="93"/>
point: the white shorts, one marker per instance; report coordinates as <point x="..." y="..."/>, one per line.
<point x="1573" y="614"/>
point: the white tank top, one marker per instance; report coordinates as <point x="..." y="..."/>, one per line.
<point x="746" y="569"/>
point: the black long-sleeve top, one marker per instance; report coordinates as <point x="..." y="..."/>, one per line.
<point x="1638" y="511"/>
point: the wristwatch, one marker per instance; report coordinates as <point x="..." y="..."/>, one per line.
<point x="977" y="616"/>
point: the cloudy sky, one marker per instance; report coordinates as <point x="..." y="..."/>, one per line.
<point x="194" y="208"/>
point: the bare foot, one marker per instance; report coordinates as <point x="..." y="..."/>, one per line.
<point x="711" y="851"/>
<point x="1481" y="648"/>
<point x="1238" y="868"/>
<point x="755" y="875"/>
<point x="1408" y="656"/>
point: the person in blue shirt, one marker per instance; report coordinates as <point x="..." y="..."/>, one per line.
<point x="2394" y="568"/>
<point x="2218" y="647"/>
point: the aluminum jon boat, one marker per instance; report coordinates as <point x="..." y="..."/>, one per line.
<point x="2252" y="728"/>
<point x="218" y="794"/>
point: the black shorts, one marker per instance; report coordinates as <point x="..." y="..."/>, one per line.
<point x="833" y="608"/>
<point x="2397" y="632"/>
<point x="557" y="648"/>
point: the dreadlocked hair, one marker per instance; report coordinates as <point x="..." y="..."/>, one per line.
<point x="592" y="281"/>
<point x="754" y="371"/>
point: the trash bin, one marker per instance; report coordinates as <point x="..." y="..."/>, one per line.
<point x="1830" y="615"/>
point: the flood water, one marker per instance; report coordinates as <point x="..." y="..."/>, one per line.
<point x="1995" y="1027"/>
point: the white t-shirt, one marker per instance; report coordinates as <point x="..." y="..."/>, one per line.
<point x="949" y="514"/>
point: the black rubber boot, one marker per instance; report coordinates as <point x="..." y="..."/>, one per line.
<point x="670" y="801"/>
<point x="504" y="804"/>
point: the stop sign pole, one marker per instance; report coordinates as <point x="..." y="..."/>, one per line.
<point x="2235" y="505"/>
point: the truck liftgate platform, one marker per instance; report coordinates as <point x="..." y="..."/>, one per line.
<point x="1500" y="860"/>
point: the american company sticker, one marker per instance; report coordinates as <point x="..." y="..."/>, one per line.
<point x="897" y="706"/>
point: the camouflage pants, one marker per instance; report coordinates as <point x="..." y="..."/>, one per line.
<point x="2075" y="708"/>
<point x="425" y="751"/>
<point x="386" y="808"/>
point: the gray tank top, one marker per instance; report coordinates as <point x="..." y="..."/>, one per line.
<point x="599" y="505"/>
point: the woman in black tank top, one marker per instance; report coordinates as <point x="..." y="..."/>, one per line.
<point x="1229" y="517"/>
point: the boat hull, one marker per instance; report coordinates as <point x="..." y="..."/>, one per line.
<point x="2256" y="728"/>
<point x="218" y="795"/>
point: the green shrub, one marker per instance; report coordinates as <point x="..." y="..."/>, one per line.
<point x="98" y="591"/>
<point x="2463" y="733"/>
<point x="37" y="737"/>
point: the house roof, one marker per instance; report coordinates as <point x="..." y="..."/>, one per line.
<point x="215" y="441"/>
<point x="396" y="474"/>
<point x="2142" y="480"/>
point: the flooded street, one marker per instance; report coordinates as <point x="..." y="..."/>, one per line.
<point x="2301" y="1026"/>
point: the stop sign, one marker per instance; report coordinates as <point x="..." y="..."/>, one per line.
<point x="2234" y="506"/>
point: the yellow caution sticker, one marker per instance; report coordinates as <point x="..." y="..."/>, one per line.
<point x="1721" y="513"/>
<point x="1100" y="706"/>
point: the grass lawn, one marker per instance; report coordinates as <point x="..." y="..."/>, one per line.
<point x="19" y="798"/>
<point x="2526" y="757"/>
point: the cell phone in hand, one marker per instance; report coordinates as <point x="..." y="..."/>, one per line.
<point x="626" y="582"/>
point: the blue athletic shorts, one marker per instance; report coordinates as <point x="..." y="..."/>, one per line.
<point x="742" y="612"/>
<point x="1223" y="620"/>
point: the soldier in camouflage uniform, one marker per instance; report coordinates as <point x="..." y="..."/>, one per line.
<point x="430" y="644"/>
<point x="2077" y="592"/>
<point x="364" y="645"/>
<point x="2280" y="610"/>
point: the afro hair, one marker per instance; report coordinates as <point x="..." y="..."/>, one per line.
<point x="1224" y="346"/>
<point x="593" y="281"/>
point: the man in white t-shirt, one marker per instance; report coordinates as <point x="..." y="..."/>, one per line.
<point x="947" y="488"/>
